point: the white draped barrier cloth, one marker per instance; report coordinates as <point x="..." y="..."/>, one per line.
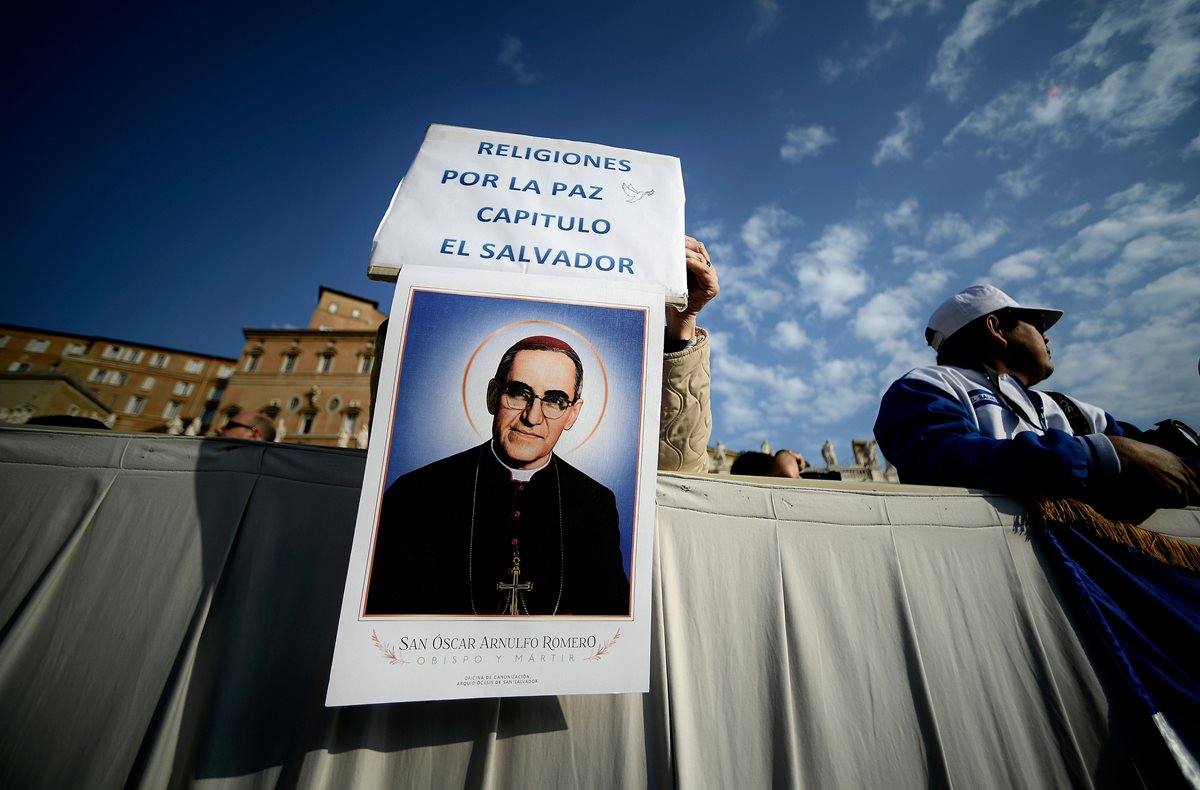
<point x="168" y="607"/>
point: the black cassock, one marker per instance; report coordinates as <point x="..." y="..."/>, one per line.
<point x="448" y="533"/>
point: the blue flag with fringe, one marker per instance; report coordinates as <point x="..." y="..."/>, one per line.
<point x="1140" y="592"/>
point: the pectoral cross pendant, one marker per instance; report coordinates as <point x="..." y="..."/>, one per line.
<point x="515" y="587"/>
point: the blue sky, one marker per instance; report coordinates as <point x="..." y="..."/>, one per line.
<point x="176" y="175"/>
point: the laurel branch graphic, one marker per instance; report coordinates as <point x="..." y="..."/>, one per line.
<point x="603" y="649"/>
<point x="388" y="651"/>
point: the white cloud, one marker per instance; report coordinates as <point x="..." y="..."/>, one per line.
<point x="893" y="319"/>
<point x="980" y="240"/>
<point x="1100" y="363"/>
<point x="830" y="69"/>
<point x="1158" y="248"/>
<point x="903" y="216"/>
<point x="929" y="281"/>
<point x="1051" y="110"/>
<point x="828" y="272"/>
<point x="882" y="10"/>
<point x="1020" y="266"/>
<point x="719" y="251"/>
<point x="967" y="240"/>
<point x="869" y="55"/>
<point x="789" y="336"/>
<point x="708" y="232"/>
<point x="756" y="400"/>
<point x="1137" y="275"/>
<point x="886" y="315"/>
<point x="1139" y="99"/>
<point x="767" y="16"/>
<point x="747" y="300"/>
<point x="1093" y="87"/>
<point x="948" y="227"/>
<point x="748" y="292"/>
<point x="1136" y="211"/>
<point x="1022" y="182"/>
<point x="897" y="145"/>
<point x="513" y="57"/>
<point x="761" y="235"/>
<point x="1089" y="327"/>
<point x="1085" y="286"/>
<point x="802" y="141"/>
<point x="756" y="395"/>
<point x="994" y="119"/>
<point x="903" y="253"/>
<point x="1153" y="251"/>
<point x="846" y="386"/>
<point x="1141" y="195"/>
<point x="1099" y="47"/>
<point x="1192" y="149"/>
<point x="951" y="74"/>
<point x="1176" y="294"/>
<point x="1069" y="216"/>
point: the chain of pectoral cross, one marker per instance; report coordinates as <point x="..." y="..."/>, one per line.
<point x="517" y="586"/>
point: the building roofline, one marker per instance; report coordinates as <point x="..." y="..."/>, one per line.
<point x="104" y="338"/>
<point x="43" y="330"/>
<point x="56" y="376"/>
<point x="325" y="288"/>
<point x="248" y="331"/>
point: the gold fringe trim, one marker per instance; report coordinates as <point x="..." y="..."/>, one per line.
<point x="1172" y="551"/>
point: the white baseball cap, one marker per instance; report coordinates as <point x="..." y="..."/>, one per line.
<point x="976" y="301"/>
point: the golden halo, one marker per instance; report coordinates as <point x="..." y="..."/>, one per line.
<point x="556" y="325"/>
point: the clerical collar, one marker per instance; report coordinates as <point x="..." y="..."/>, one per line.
<point x="523" y="475"/>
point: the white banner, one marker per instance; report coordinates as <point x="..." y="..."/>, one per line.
<point x="466" y="580"/>
<point x="505" y="202"/>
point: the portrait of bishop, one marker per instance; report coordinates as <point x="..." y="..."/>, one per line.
<point x="506" y="527"/>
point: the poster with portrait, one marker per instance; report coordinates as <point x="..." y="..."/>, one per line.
<point x="505" y="530"/>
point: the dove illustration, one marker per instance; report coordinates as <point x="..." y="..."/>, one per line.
<point x="634" y="194"/>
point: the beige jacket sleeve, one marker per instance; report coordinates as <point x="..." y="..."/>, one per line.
<point x="686" y="412"/>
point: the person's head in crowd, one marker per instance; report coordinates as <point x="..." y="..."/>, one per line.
<point x="982" y="325"/>
<point x="784" y="463"/>
<point x="248" y="425"/>
<point x="534" y="397"/>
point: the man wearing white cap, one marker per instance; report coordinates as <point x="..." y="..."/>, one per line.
<point x="974" y="420"/>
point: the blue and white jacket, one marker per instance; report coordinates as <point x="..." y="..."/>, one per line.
<point x="946" y="425"/>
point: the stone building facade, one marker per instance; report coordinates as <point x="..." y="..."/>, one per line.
<point x="314" y="382"/>
<point x="24" y="396"/>
<point x="130" y="386"/>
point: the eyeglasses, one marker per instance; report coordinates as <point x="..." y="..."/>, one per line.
<point x="517" y="396"/>
<point x="231" y="424"/>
